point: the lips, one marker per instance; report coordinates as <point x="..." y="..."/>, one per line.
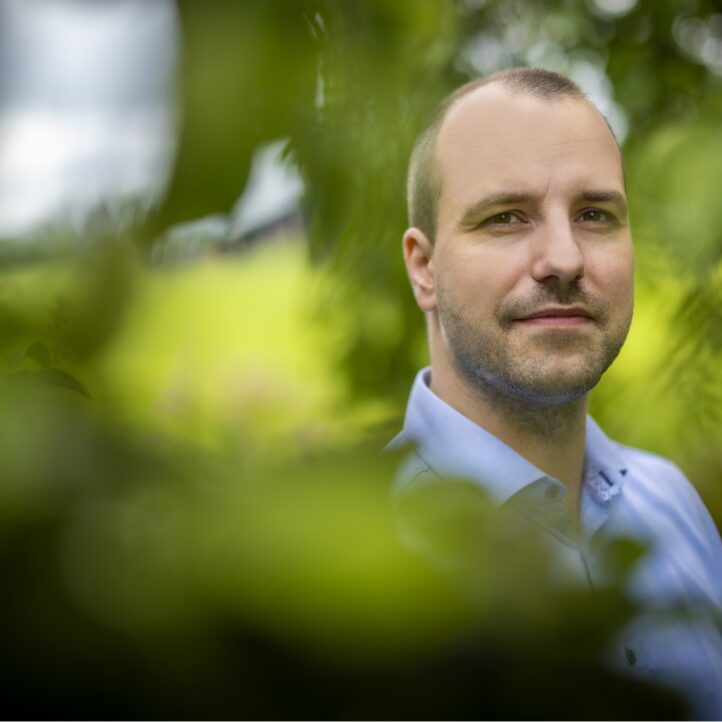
<point x="558" y="312"/>
<point x="562" y="316"/>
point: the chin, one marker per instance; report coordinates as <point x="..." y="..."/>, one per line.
<point x="555" y="382"/>
<point x="552" y="377"/>
<point x="528" y="386"/>
<point x="555" y="394"/>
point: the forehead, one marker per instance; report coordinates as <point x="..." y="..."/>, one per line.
<point x="493" y="140"/>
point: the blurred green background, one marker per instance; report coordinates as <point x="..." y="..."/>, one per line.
<point x="194" y="519"/>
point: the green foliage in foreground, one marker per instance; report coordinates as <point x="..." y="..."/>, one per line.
<point x="151" y="579"/>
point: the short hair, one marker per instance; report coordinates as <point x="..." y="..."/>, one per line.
<point x="423" y="181"/>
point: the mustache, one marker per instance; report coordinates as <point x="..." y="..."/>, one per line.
<point x="516" y="308"/>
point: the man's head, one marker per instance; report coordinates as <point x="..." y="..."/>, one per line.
<point x="519" y="249"/>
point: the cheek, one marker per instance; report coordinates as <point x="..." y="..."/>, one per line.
<point x="613" y="276"/>
<point x="483" y="275"/>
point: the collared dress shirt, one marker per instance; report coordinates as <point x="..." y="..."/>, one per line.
<point x="626" y="493"/>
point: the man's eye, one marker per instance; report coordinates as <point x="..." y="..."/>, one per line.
<point x="503" y="219"/>
<point x="594" y="215"/>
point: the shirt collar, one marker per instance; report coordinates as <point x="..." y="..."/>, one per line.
<point x="453" y="445"/>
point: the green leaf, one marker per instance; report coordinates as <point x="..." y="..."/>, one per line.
<point x="53" y="377"/>
<point x="39" y="352"/>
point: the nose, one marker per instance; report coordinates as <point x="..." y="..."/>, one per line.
<point x="556" y="255"/>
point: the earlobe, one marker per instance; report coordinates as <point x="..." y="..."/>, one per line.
<point x="418" y="256"/>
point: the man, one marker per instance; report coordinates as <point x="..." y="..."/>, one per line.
<point x="520" y="256"/>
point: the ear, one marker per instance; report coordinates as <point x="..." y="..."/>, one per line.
<point x="418" y="256"/>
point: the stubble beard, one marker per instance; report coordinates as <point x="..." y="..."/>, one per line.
<point x="530" y="371"/>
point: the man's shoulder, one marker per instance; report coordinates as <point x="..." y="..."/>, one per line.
<point x="651" y="466"/>
<point x="656" y="476"/>
<point x="661" y="497"/>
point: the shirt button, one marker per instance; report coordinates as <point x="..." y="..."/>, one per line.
<point x="631" y="656"/>
<point x="552" y="492"/>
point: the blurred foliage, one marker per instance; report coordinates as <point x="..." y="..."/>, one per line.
<point x="194" y="519"/>
<point x="150" y="580"/>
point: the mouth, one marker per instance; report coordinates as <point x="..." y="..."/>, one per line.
<point x="559" y="316"/>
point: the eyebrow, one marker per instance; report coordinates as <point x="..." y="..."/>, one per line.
<point x="615" y="198"/>
<point x="484" y="205"/>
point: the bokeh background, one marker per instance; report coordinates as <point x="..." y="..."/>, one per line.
<point x="206" y="335"/>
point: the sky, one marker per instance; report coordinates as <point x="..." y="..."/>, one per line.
<point x="86" y="112"/>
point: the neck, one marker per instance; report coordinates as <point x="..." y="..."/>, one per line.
<point x="552" y="437"/>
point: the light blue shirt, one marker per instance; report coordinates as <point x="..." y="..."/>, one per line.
<point x="626" y="493"/>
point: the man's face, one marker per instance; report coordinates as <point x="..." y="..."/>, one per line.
<point x="532" y="265"/>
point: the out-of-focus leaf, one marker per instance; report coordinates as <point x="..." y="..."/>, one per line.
<point x="674" y="179"/>
<point x="54" y="377"/>
<point x="39" y="352"/>
<point x="248" y="75"/>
